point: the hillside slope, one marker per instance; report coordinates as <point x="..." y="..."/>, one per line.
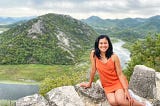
<point x="47" y="39"/>
<point x="128" y="29"/>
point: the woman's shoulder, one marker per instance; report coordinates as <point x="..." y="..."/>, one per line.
<point x="92" y="51"/>
<point x="92" y="54"/>
<point x="114" y="56"/>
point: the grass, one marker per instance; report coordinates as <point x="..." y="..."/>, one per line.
<point x="33" y="73"/>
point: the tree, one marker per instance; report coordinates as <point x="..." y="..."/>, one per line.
<point x="145" y="52"/>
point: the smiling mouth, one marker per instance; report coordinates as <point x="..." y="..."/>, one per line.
<point x="104" y="48"/>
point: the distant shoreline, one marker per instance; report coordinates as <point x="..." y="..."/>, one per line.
<point x="18" y="82"/>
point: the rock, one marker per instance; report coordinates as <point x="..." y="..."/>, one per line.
<point x="157" y="103"/>
<point x="93" y="96"/>
<point x="36" y="29"/>
<point x="95" y="93"/>
<point x="32" y="100"/>
<point x="64" y="96"/>
<point x="158" y="85"/>
<point x="143" y="82"/>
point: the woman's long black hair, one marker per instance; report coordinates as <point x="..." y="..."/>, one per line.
<point x="109" y="52"/>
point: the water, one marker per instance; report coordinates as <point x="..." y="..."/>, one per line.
<point x="16" y="91"/>
<point x="123" y="54"/>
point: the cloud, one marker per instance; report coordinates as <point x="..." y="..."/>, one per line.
<point x="81" y="8"/>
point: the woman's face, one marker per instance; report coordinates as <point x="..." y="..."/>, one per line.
<point x="103" y="45"/>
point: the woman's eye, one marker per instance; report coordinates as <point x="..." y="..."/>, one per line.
<point x="103" y="43"/>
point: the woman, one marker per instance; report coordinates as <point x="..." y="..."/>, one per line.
<point x="112" y="79"/>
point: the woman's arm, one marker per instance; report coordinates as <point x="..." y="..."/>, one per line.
<point x="93" y="71"/>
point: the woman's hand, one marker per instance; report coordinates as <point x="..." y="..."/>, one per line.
<point x="129" y="98"/>
<point x="85" y="85"/>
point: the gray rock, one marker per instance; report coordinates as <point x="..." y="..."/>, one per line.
<point x="157" y="103"/>
<point x="36" y="29"/>
<point x="143" y="82"/>
<point x="64" y="96"/>
<point x="95" y="93"/>
<point x="32" y="100"/>
<point x="158" y="85"/>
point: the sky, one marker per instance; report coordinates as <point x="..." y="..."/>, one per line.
<point x="81" y="9"/>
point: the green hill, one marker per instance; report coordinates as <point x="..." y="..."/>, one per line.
<point x="128" y="29"/>
<point x="47" y="39"/>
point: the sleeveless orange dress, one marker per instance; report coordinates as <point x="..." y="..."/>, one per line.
<point x="108" y="75"/>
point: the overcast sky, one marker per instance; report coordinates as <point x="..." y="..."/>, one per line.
<point x="81" y="9"/>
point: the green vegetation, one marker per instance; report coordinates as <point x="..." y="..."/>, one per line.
<point x="35" y="72"/>
<point x="145" y="52"/>
<point x="128" y="29"/>
<point x="71" y="76"/>
<point x="48" y="39"/>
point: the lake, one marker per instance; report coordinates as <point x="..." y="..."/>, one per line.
<point x="15" y="91"/>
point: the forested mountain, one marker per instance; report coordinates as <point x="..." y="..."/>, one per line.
<point x="126" y="29"/>
<point x="47" y="39"/>
<point x="11" y="20"/>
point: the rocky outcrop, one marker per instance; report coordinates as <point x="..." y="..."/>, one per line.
<point x="36" y="29"/>
<point x="32" y="100"/>
<point x="144" y="82"/>
<point x="93" y="96"/>
<point x="67" y="96"/>
<point x="158" y="86"/>
<point x="64" y="96"/>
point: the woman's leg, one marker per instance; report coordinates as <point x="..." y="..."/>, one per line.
<point x="122" y="101"/>
<point x="111" y="99"/>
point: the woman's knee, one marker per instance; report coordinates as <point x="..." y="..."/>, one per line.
<point x="113" y="102"/>
<point x="120" y="102"/>
<point x="116" y="103"/>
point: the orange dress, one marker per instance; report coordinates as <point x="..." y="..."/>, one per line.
<point x="108" y="75"/>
